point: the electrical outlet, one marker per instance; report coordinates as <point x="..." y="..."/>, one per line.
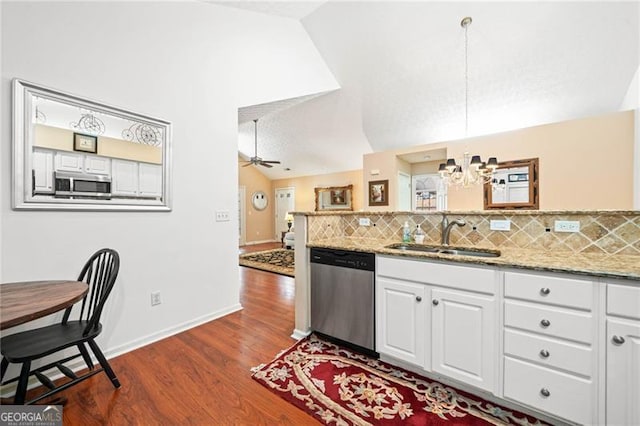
<point x="155" y="298"/>
<point x="566" y="226"/>
<point x="222" y="216"/>
<point x="500" y="225"/>
<point x="365" y="221"/>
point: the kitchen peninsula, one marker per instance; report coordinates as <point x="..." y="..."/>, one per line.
<point x="551" y="325"/>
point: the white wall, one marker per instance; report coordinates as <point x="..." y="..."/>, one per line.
<point x="192" y="64"/>
<point x="632" y="101"/>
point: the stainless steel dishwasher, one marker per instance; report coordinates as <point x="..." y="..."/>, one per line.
<point x="342" y="296"/>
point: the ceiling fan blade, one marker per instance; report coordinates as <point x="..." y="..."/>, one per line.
<point x="264" y="164"/>
<point x="271" y="161"/>
<point x="248" y="164"/>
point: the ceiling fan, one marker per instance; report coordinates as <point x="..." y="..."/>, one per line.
<point x="255" y="160"/>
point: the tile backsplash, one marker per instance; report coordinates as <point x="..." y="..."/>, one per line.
<point x="610" y="232"/>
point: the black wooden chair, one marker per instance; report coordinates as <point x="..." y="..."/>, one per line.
<point x="100" y="274"/>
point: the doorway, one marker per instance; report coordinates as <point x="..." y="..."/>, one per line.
<point x="242" y="235"/>
<point x="285" y="202"/>
<point x="404" y="192"/>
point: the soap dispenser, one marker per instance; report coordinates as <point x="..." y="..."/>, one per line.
<point x="406" y="233"/>
<point x="418" y="236"/>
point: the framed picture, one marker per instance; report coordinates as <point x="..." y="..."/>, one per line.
<point x="85" y="143"/>
<point x="379" y="193"/>
<point x="338" y="197"/>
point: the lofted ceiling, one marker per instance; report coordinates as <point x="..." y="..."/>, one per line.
<point x="400" y="66"/>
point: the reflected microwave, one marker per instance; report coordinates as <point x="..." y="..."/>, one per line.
<point x="79" y="185"/>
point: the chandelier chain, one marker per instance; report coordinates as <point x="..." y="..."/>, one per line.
<point x="466" y="78"/>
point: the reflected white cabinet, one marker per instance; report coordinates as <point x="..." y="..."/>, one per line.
<point x="42" y="171"/>
<point x="97" y="165"/>
<point x="463" y="336"/>
<point x="150" y="180"/>
<point x="69" y="162"/>
<point x="401" y="323"/>
<point x="124" y="178"/>
<point x="133" y="179"/>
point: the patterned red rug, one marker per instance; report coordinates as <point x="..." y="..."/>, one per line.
<point x="339" y="386"/>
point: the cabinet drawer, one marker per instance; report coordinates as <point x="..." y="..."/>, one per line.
<point x="550" y="321"/>
<point x="568" y="397"/>
<point x="623" y="300"/>
<point x="551" y="290"/>
<point x="478" y="280"/>
<point x="542" y="350"/>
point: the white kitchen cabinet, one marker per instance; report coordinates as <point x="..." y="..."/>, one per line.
<point x="97" y="165"/>
<point x="463" y="336"/>
<point x="427" y="316"/>
<point x="150" y="180"/>
<point x="623" y="354"/>
<point x="43" y="171"/>
<point x="401" y="320"/>
<point x="124" y="178"/>
<point x="69" y="162"/>
<point x="550" y="344"/>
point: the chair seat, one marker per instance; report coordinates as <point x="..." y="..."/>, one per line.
<point x="44" y="341"/>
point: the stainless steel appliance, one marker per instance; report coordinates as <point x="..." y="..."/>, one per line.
<point x="80" y="185"/>
<point x="343" y="295"/>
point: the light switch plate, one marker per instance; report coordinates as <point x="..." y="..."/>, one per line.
<point x="567" y="226"/>
<point x="365" y="221"/>
<point x="500" y="225"/>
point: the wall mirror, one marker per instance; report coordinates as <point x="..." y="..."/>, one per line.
<point x="514" y="186"/>
<point x="334" y="198"/>
<point x="72" y="153"/>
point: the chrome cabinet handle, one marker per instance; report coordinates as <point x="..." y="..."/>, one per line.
<point x="617" y="340"/>
<point x="545" y="392"/>
<point x="545" y="291"/>
<point x="544" y="353"/>
<point x="435" y="302"/>
<point x="418" y="298"/>
<point x="545" y="323"/>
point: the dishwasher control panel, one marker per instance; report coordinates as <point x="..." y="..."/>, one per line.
<point x="346" y="259"/>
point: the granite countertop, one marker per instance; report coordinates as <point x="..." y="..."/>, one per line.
<point x="590" y="264"/>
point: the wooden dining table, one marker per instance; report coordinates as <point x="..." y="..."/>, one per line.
<point x="22" y="302"/>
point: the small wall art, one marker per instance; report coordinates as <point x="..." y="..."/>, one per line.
<point x="379" y="193"/>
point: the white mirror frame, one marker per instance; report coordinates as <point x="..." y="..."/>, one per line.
<point x="23" y="144"/>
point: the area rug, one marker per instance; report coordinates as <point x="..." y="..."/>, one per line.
<point x="339" y="386"/>
<point x="279" y="261"/>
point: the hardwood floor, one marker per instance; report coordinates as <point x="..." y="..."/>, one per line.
<point x="201" y="376"/>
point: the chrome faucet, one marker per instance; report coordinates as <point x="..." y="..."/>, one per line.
<point x="446" y="228"/>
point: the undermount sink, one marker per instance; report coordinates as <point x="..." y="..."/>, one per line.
<point x="445" y="250"/>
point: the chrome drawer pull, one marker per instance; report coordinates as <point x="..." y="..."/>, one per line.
<point x="617" y="340"/>
<point x="545" y="323"/>
<point x="435" y="302"/>
<point x="545" y="392"/>
<point x="545" y="291"/>
<point x="544" y="353"/>
<point x="418" y="298"/>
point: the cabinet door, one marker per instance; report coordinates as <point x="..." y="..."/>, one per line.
<point x="623" y="372"/>
<point x="69" y="162"/>
<point x="124" y="178"/>
<point x="401" y="320"/>
<point x="463" y="337"/>
<point x="42" y="171"/>
<point x="97" y="165"/>
<point x="150" y="180"/>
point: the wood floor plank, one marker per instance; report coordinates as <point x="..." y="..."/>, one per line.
<point x="201" y="376"/>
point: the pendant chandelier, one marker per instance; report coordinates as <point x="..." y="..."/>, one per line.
<point x="472" y="170"/>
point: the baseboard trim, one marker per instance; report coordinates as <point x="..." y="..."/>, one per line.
<point x="9" y="390"/>
<point x="253" y="243"/>
<point x="299" y="334"/>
